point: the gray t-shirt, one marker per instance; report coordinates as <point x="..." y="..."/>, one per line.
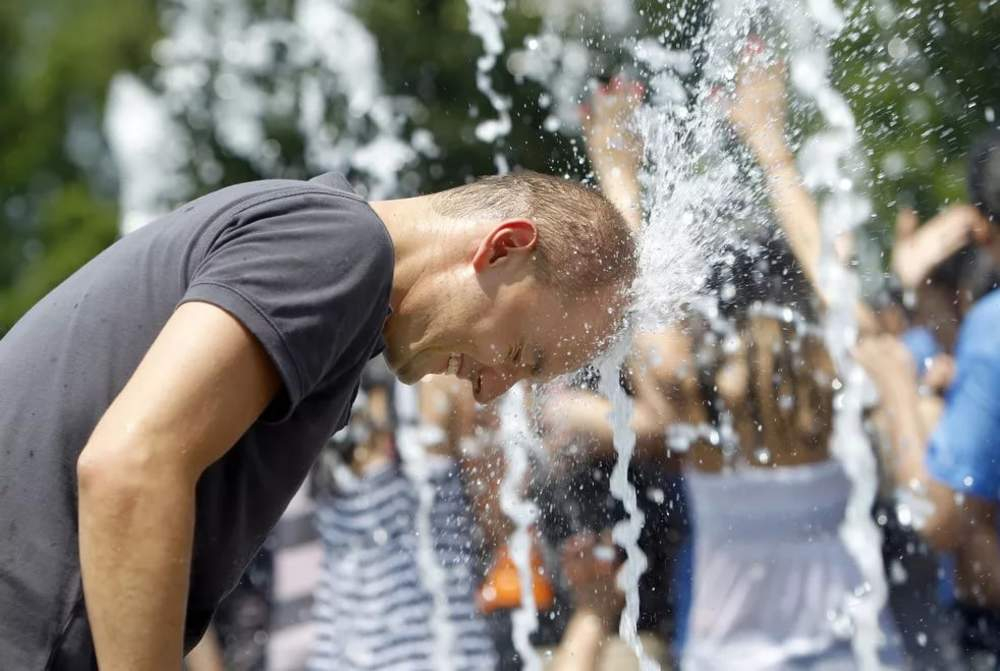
<point x="306" y="266"/>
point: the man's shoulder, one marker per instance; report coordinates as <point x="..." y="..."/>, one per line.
<point x="327" y="205"/>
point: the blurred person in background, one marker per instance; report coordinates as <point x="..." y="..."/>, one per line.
<point x="947" y="459"/>
<point x="374" y="608"/>
<point x="579" y="512"/>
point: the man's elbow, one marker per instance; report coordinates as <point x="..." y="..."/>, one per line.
<point x="121" y="472"/>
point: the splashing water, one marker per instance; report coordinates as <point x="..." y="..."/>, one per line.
<point x="832" y="167"/>
<point x="677" y="244"/>
<point x="486" y="22"/>
<point x="625" y="533"/>
<point x="517" y="438"/>
<point x="412" y="439"/>
<point x="563" y="56"/>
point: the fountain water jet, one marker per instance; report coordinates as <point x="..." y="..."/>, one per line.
<point x="831" y="166"/>
<point x="517" y="438"/>
<point x="486" y="22"/>
<point x="625" y="533"/>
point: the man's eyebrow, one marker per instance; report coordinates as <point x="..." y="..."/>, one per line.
<point x="539" y="362"/>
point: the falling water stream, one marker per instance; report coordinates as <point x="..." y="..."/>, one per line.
<point x="832" y="168"/>
<point x="517" y="437"/>
<point x="486" y="21"/>
<point x="625" y="533"/>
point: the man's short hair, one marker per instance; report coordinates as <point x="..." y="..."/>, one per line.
<point x="584" y="243"/>
<point x="984" y="175"/>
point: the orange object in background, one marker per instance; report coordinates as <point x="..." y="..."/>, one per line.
<point x="501" y="589"/>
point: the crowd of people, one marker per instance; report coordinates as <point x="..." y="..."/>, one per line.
<point x="734" y="410"/>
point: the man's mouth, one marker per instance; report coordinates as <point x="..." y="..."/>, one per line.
<point x="455" y="365"/>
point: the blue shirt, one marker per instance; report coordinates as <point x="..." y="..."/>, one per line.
<point x="923" y="347"/>
<point x="964" y="452"/>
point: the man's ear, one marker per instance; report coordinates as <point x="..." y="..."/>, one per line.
<point x="512" y="237"/>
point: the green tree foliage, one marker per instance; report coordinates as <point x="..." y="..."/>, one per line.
<point x="923" y="79"/>
<point x="57" y="200"/>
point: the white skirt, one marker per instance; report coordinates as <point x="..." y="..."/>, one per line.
<point x="771" y="575"/>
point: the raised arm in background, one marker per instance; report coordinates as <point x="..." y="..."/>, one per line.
<point x="757" y="112"/>
<point x="614" y="150"/>
<point x="952" y="523"/>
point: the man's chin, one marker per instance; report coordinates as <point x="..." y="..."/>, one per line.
<point x="408" y="379"/>
<point x="406" y="373"/>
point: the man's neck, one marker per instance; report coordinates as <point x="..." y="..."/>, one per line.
<point x="417" y="240"/>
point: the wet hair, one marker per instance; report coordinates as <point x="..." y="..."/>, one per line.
<point x="984" y="175"/>
<point x="584" y="243"/>
<point x="760" y="271"/>
<point x="764" y="294"/>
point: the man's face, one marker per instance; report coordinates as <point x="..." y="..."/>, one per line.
<point x="522" y="330"/>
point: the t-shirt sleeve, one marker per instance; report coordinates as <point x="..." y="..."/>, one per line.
<point x="309" y="274"/>
<point x="964" y="451"/>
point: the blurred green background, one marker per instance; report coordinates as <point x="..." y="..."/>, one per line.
<point x="923" y="78"/>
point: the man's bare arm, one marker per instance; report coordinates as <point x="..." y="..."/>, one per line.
<point x="200" y="386"/>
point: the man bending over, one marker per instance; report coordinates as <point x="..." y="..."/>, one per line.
<point x="162" y="405"/>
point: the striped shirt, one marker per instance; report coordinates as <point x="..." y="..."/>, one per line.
<point x="372" y="609"/>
